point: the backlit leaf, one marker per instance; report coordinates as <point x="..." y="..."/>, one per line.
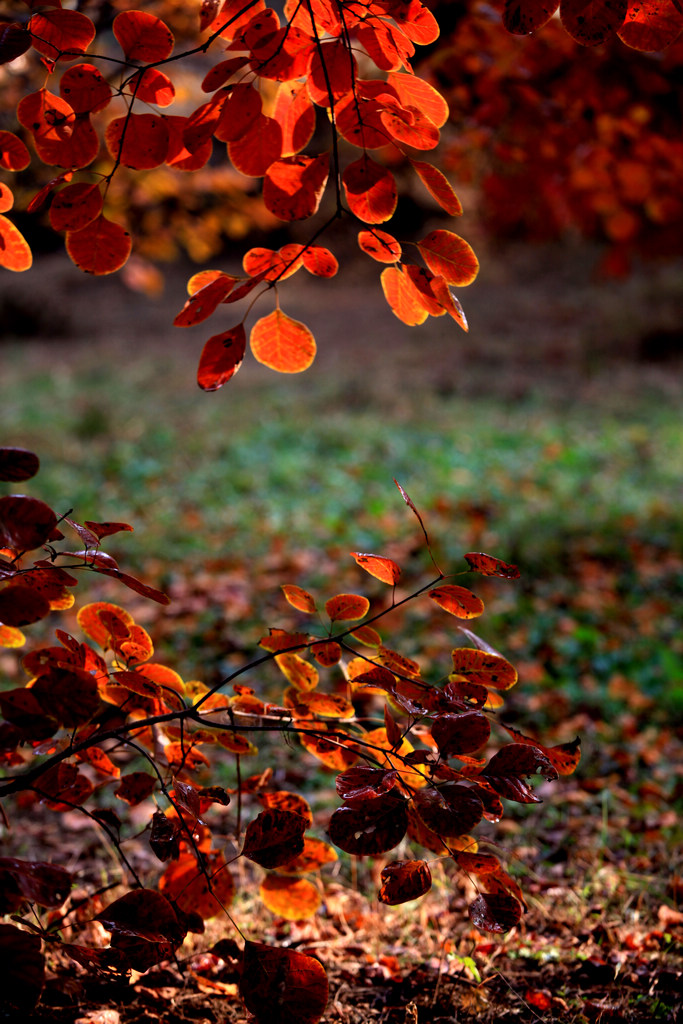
<point x="295" y="114"/>
<point x="100" y="248"/>
<point x="298" y="597"/>
<point x="85" y="89"/>
<point x="257" y="148"/>
<point x="295" y="899"/>
<point x="651" y="25"/>
<point x="380" y="245"/>
<point x="107" y="529"/>
<point x="564" y="757"/>
<point x="319" y="261"/>
<point x="316" y="854"/>
<point x="283" y="800"/>
<point x="75" y="206"/>
<point x="15" y="252"/>
<point x="493" y="912"/>
<point x="347" y="607"/>
<point x="281" y="986"/>
<point x="14" y="156"/>
<point x="327" y="653"/>
<point x="221" y="358"/>
<point x="330" y="751"/>
<point x="507" y="769"/>
<point x="10" y="636"/>
<point x="187" y="885"/>
<point x="326" y="705"/>
<point x="415" y="92"/>
<point x="402" y="297"/>
<point x="203" y="302"/>
<point x="293" y="186"/>
<point x="299" y="672"/>
<point x="449" y="256"/>
<point x="404" y="880"/>
<point x="274" y="837"/>
<point x="410" y="127"/>
<point x="370" y="190"/>
<point x="139" y="141"/>
<point x="270" y="265"/>
<point x="457" y="601"/>
<point x="438" y="186"/>
<point x="282" y="344"/>
<point x="332" y="72"/>
<point x="94" y="626"/>
<point x="368" y="636"/>
<point x="60" y="32"/>
<point x="384" y="569"/>
<point x="153" y="86"/>
<point x="142" y="36"/>
<point x="280" y="640"/>
<point x="482" y="668"/>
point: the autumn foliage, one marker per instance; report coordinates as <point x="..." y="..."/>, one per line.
<point x="99" y="720"/>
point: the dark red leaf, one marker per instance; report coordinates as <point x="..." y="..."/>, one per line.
<point x="460" y="734"/>
<point x="144" y="927"/>
<point x="23" y="967"/>
<point x="371" y="829"/>
<point x="221" y="358"/>
<point x="403" y="881"/>
<point x="18" y="464"/>
<point x="25" y="523"/>
<point x="281" y="986"/>
<point x="274" y="837"/>
<point x="494" y="912"/>
<point x="487" y="565"/>
<point x="48" y="885"/>
<point x="357" y="786"/>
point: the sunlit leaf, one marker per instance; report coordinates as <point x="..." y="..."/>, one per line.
<point x="293" y="186"/>
<point x="139" y="141"/>
<point x="100" y="248"/>
<point x="283" y="800"/>
<point x="93" y="625"/>
<point x="299" y="672"/>
<point x="295" y="114"/>
<point x="335" y="753"/>
<point x="14" y="156"/>
<point x="298" y="597"/>
<point x="403" y="299"/>
<point x="438" y="186"/>
<point x="319" y="261"/>
<point x="316" y="854"/>
<point x="415" y="92"/>
<point x="257" y="148"/>
<point x="564" y="757"/>
<point x="153" y="86"/>
<point x="15" y="252"/>
<point x="282" y="986"/>
<point x="188" y="886"/>
<point x="384" y="569"/>
<point x="282" y="344"/>
<point x="370" y="190"/>
<point x="75" y="206"/>
<point x="651" y="25"/>
<point x="380" y="245"/>
<point x="293" y="898"/>
<point x="85" y="89"/>
<point x="204" y="301"/>
<point x="487" y="565"/>
<point x="61" y="33"/>
<point x="482" y="668"/>
<point x="457" y="601"/>
<point x="327" y="653"/>
<point x="10" y="636"/>
<point x="449" y="256"/>
<point x="142" y="36"/>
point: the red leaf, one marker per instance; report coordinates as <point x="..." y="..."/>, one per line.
<point x="591" y="22"/>
<point x="274" y="837"/>
<point x="257" y="148"/>
<point x="24" y="966"/>
<point x="370" y="190"/>
<point x="564" y="757"/>
<point x="61" y="34"/>
<point x="14" y="40"/>
<point x="221" y="358"/>
<point x="240" y="107"/>
<point x="450" y="811"/>
<point x="295" y="114"/>
<point x="135" y="787"/>
<point x="380" y="245"/>
<point x="522" y="17"/>
<point x="282" y="344"/>
<point x="294" y="185"/>
<point x="403" y="881"/>
<point x="651" y="25"/>
<point x="384" y="569"/>
<point x="487" y="565"/>
<point x="370" y="829"/>
<point x="144" y="927"/>
<point x="153" y="86"/>
<point x="449" y="256"/>
<point x="438" y="186"/>
<point x="18" y="464"/>
<point x="457" y="601"/>
<point x="134" y="584"/>
<point x="188" y="887"/>
<point x="361" y="785"/>
<point x="100" y="248"/>
<point x="48" y="885"/>
<point x="139" y="141"/>
<point x="75" y="207"/>
<point x="85" y="89"/>
<point x="411" y="127"/>
<point x="415" y="92"/>
<point x="203" y="303"/>
<point x="332" y="72"/>
<point x="143" y="37"/>
<point x="493" y="912"/>
<point x="327" y="653"/>
<point x="25" y="523"/>
<point x="460" y="734"/>
<point x="282" y="986"/>
<point x="14" y="156"/>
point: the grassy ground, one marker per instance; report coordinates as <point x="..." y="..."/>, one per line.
<point x="537" y="439"/>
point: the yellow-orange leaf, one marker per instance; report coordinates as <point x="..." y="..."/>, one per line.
<point x="282" y="344"/>
<point x="316" y="853"/>
<point x="438" y="186"/>
<point x="15" y="252"/>
<point x="380" y="245"/>
<point x="297" y="671"/>
<point x="481" y="667"/>
<point x="347" y="607"/>
<point x="384" y="569"/>
<point x="298" y="597"/>
<point x="457" y="600"/>
<point x="295" y="899"/>
<point x="403" y="299"/>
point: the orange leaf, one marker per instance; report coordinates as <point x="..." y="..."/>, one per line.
<point x="438" y="186"/>
<point x="188" y="886"/>
<point x="411" y="127"/>
<point x="271" y="265"/>
<point x="331" y="752"/>
<point x="140" y="141"/>
<point x="368" y="636"/>
<point x="299" y="672"/>
<point x="61" y="34"/>
<point x="327" y="653"/>
<point x="295" y="899"/>
<point x="415" y="92"/>
<point x="93" y="626"/>
<point x="274" y="837"/>
<point x="283" y="800"/>
<point x="457" y="600"/>
<point x="100" y="248"/>
<point x="370" y="190"/>
<point x="294" y="185"/>
<point x="331" y="72"/>
<point x="487" y="565"/>
<point x="14" y="156"/>
<point x="282" y="344"/>
<point x="384" y="569"/>
<point x="257" y="148"/>
<point x="347" y="607"/>
<point x="449" y="256"/>
<point x="483" y="668"/>
<point x="221" y="358"/>
<point x="405" y="302"/>
<point x="15" y="252"/>
<point x="382" y="246"/>
<point x="298" y="597"/>
<point x="75" y="206"/>
<point x="319" y="261"/>
<point x="295" y="114"/>
<point x="142" y="36"/>
<point x="316" y="854"/>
